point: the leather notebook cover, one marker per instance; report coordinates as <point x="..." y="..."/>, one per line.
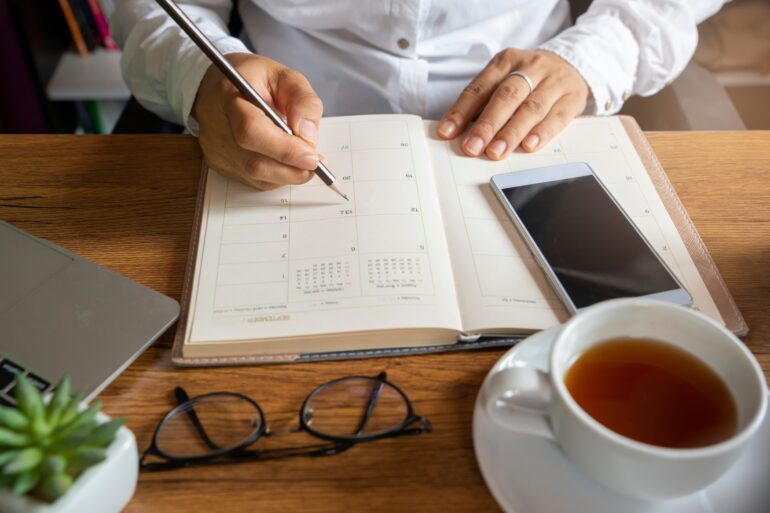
<point x="716" y="286"/>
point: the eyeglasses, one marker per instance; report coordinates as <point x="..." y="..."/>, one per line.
<point x="220" y="427"/>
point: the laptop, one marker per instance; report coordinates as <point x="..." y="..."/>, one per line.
<point x="63" y="315"/>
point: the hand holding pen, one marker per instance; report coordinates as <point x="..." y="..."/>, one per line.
<point x="240" y="134"/>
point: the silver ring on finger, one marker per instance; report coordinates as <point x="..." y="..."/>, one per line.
<point x="525" y="77"/>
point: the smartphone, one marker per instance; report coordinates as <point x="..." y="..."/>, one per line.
<point x="589" y="248"/>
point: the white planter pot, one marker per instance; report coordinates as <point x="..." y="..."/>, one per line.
<point x="103" y="488"/>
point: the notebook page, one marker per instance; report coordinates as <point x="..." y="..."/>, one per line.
<point x="499" y="284"/>
<point x="300" y="260"/>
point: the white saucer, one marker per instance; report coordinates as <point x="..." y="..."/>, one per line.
<point x="530" y="474"/>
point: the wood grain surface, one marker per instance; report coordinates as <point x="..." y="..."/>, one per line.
<point x="126" y="202"/>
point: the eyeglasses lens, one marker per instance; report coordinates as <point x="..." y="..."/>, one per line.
<point x="339" y="409"/>
<point x="210" y="424"/>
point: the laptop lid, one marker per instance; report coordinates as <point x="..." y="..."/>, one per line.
<point x="61" y="314"/>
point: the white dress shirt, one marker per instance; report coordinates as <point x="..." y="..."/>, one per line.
<point x="409" y="56"/>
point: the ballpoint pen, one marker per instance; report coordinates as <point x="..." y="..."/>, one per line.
<point x="208" y="48"/>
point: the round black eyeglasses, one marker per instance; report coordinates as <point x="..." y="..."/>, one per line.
<point x="220" y="427"/>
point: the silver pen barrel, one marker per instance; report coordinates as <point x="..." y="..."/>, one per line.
<point x="243" y="86"/>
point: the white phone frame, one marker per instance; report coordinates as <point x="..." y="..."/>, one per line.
<point x="499" y="183"/>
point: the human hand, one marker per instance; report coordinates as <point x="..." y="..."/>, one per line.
<point x="511" y="114"/>
<point x="241" y="142"/>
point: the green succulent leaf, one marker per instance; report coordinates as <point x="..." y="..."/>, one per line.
<point x="81" y="420"/>
<point x="54" y="464"/>
<point x="71" y="410"/>
<point x="59" y="401"/>
<point x="71" y="441"/>
<point x="6" y="481"/>
<point x="45" y="447"/>
<point x="29" y="400"/>
<point x="55" y="485"/>
<point x="10" y="438"/>
<point x="25" y="482"/>
<point x="13" y="418"/>
<point x="40" y="428"/>
<point x="26" y="459"/>
<point x="85" y="457"/>
<point x="6" y="456"/>
<point x="104" y="434"/>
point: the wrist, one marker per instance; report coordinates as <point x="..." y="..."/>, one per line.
<point x="605" y="54"/>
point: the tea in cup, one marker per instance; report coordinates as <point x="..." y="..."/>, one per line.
<point x="651" y="399"/>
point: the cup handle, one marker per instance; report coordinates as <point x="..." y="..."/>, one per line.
<point x="518" y="399"/>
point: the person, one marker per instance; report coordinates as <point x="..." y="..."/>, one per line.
<point x="500" y="74"/>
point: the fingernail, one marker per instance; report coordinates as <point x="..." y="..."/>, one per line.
<point x="447" y="128"/>
<point x="497" y="148"/>
<point x="308" y="130"/>
<point x="474" y="145"/>
<point x="308" y="162"/>
<point x="531" y="142"/>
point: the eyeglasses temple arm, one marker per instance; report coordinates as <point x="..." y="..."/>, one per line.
<point x="159" y="465"/>
<point x="373" y="397"/>
<point x="309" y="450"/>
<point x="247" y="456"/>
<point x="182" y="397"/>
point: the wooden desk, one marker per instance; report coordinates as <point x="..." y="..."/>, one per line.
<point x="126" y="202"/>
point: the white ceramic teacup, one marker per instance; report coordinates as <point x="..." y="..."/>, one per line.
<point x="524" y="399"/>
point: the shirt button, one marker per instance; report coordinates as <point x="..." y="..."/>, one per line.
<point x="403" y="43"/>
<point x="626" y="95"/>
<point x="608" y="105"/>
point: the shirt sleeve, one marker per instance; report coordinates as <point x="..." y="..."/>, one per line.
<point x="625" y="47"/>
<point x="161" y="65"/>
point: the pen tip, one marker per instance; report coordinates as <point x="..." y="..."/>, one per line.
<point x="336" y="188"/>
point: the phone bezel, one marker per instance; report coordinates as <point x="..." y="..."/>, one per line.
<point x="561" y="172"/>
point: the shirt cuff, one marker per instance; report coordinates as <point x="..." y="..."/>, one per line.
<point x="196" y="66"/>
<point x="604" y="51"/>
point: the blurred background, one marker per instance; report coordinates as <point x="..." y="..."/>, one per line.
<point x="61" y="73"/>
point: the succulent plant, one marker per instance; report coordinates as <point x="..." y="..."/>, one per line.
<point x="44" y="448"/>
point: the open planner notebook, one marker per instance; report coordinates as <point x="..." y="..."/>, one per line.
<point x="422" y="258"/>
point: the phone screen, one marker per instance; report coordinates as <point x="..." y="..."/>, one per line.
<point x="591" y="246"/>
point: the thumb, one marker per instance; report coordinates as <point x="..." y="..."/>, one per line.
<point x="295" y="97"/>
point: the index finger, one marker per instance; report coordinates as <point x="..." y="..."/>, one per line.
<point x="254" y="131"/>
<point x="295" y="96"/>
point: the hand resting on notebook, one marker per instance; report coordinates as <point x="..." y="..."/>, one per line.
<point x="509" y="113"/>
